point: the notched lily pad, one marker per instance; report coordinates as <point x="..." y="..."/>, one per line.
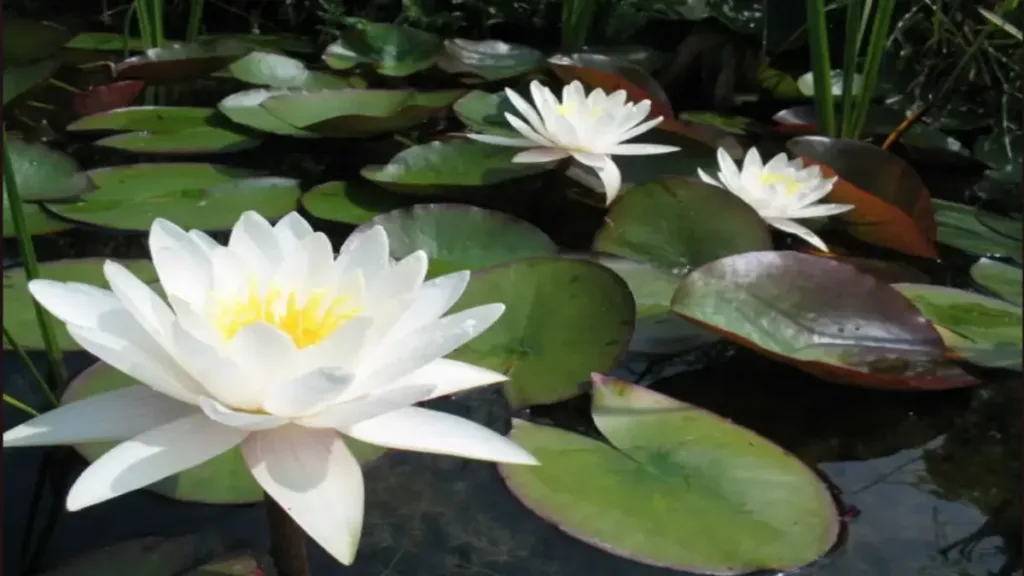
<point x="41" y="172"/>
<point x="484" y="112"/>
<point x="682" y="484"/>
<point x="181" y="61"/>
<point x="391" y="49"/>
<point x="489" y="59"/>
<point x="245" y="108"/>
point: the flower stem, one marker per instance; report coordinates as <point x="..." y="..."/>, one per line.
<point x="287" y="541"/>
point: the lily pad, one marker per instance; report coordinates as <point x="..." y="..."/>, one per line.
<point x="41" y="172"/>
<point x="611" y="74"/>
<point x="245" y="108"/>
<point x="29" y="41"/>
<point x="780" y="85"/>
<point x="37" y="220"/>
<point x="990" y="331"/>
<point x="450" y="166"/>
<point x="489" y="59"/>
<point x="484" y="112"/>
<point x="681" y="224"/>
<point x="157" y="178"/>
<point x="19" y="314"/>
<point x="350" y="202"/>
<point x="279" y="71"/>
<point x="106" y="97"/>
<point x="223" y="480"/>
<point x="892" y="207"/>
<point x="976" y="231"/>
<point x="215" y="207"/>
<point x="181" y="61"/>
<point x="563" y="319"/>
<point x="460" y="237"/>
<point x="356" y="113"/>
<point x="822" y="316"/>
<point x="157" y="119"/>
<point x="20" y="79"/>
<point x="216" y="137"/>
<point x="391" y="49"/>
<point x="731" y="124"/>
<point x="1000" y="279"/>
<point x="678" y="487"/>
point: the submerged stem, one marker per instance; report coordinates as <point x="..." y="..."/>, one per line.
<point x="287" y="541"/>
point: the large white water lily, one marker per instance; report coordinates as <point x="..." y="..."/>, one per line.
<point x="272" y="344"/>
<point x="781" y="191"/>
<point x="588" y="127"/>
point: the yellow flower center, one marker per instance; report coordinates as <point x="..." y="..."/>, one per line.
<point x="569" y="108"/>
<point x="787" y="183"/>
<point x="307" y="320"/>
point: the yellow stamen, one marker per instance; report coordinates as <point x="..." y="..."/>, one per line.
<point x="566" y="109"/>
<point x="307" y="320"/>
<point x="788" y="184"/>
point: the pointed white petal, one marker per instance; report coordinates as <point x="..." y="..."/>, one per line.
<point x="365" y="253"/>
<point x="344" y="414"/>
<point x="252" y="239"/>
<point x="221" y="376"/>
<point x="708" y="179"/>
<point x="450" y="377"/>
<point x="752" y="163"/>
<point x="527" y="131"/>
<point x="638" y="129"/>
<point x="422" y="430"/>
<point x="307" y="393"/>
<point x="315" y="478"/>
<point x="181" y="263"/>
<point x="73" y="304"/>
<point x="152" y="456"/>
<point x="152" y="313"/>
<point x="340" y="349"/>
<point x="405" y="277"/>
<point x="800" y="230"/>
<point x="290" y="231"/>
<point x="432" y="300"/>
<point x="819" y="210"/>
<point x="611" y="178"/>
<point x="250" y="421"/>
<point x="117" y="415"/>
<point x="528" y="112"/>
<point x="502" y="140"/>
<point x="537" y="155"/>
<point x="203" y="240"/>
<point x="268" y="358"/>
<point x="641" y="149"/>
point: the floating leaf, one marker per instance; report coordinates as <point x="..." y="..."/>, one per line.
<point x="279" y="71"/>
<point x="20" y="79"/>
<point x="179" y="61"/>
<point x="681" y="224"/>
<point x="450" y="166"/>
<point x="29" y="41"/>
<point x="106" y="97"/>
<point x="37" y="221"/>
<point x="679" y="487"/>
<point x="484" y="112"/>
<point x="246" y="108"/>
<point x="887" y="271"/>
<point x="158" y="178"/>
<point x="489" y="59"/>
<point x="610" y="74"/>
<point x="822" y="316"/>
<point x="350" y="202"/>
<point x="731" y="124"/>
<point x="563" y="319"/>
<point x="986" y="331"/>
<point x="214" y="207"/>
<point x="19" y="314"/>
<point x="780" y="85"/>
<point x="42" y="173"/>
<point x="356" y="113"/>
<point x="460" y="237"/>
<point x="964" y="227"/>
<point x="209" y="139"/>
<point x="391" y="49"/>
<point x="160" y="119"/>
<point x="1001" y="279"/>
<point x="892" y="205"/>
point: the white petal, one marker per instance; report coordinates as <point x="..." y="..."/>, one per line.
<point x="141" y="301"/>
<point x="752" y="163"/>
<point x="450" y="377"/>
<point x="152" y="456"/>
<point x="728" y="173"/>
<point x="819" y="210"/>
<point x="365" y="253"/>
<point x="641" y="149"/>
<point x="203" y="240"/>
<point x="250" y="421"/>
<point x="422" y="430"/>
<point x="268" y="359"/>
<point x="72" y="302"/>
<point x="638" y="129"/>
<point x="778" y="163"/>
<point x="592" y="159"/>
<point x="181" y="263"/>
<point x="341" y="348"/>
<point x="290" y="231"/>
<point x="611" y="178"/>
<point x="426" y="344"/>
<point x="252" y="239"/>
<point x="528" y="112"/>
<point x="307" y="393"/>
<point x="536" y="155"/>
<point x="502" y="140"/>
<point x="800" y="230"/>
<point x="117" y="415"/>
<point x="708" y="179"/>
<point x="344" y="414"/>
<point x="432" y="300"/>
<point x="404" y="277"/>
<point x="221" y="376"/>
<point x="527" y="131"/>
<point x="316" y="480"/>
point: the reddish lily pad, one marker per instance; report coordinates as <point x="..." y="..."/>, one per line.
<point x="106" y="97"/>
<point x="822" y="316"/>
<point x="181" y="61"/>
<point x="892" y="206"/>
<point x="489" y="59"/>
<point x="888" y="271"/>
<point x="391" y="49"/>
<point x="674" y="486"/>
<point x="610" y="74"/>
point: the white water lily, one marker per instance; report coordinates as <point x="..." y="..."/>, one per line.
<point x="781" y="191"/>
<point x="272" y="344"/>
<point x="588" y="127"/>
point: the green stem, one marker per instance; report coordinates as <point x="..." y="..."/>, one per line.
<point x="20" y="406"/>
<point x="30" y="365"/>
<point x="821" y="67"/>
<point x="195" y="20"/>
<point x="58" y="373"/>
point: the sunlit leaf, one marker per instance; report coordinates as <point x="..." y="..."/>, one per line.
<point x="391" y="49"/>
<point x="489" y="59"/>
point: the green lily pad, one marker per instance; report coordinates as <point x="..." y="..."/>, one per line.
<point x="29" y="41"/>
<point x="989" y="331"/>
<point x="356" y="113"/>
<point x="179" y="61"/>
<point x="223" y="480"/>
<point x="822" y="316"/>
<point x="38" y="222"/>
<point x="158" y="178"/>
<point x="681" y="224"/>
<point x="563" y="319"/>
<point x="484" y="112"/>
<point x="1002" y="151"/>
<point x="1000" y="279"/>
<point x="208" y="139"/>
<point x="19" y="314"/>
<point x="350" y="202"/>
<point x="489" y="59"/>
<point x="156" y="119"/>
<point x="245" y="108"/>
<point x="780" y="85"/>
<point x="976" y="231"/>
<point x="391" y="49"/>
<point x="41" y="172"/>
<point x="726" y="123"/>
<point x="279" y="71"/>
<point x="450" y="166"/>
<point x="21" y="79"/>
<point x="215" y="207"/>
<point x="678" y="487"/>
<point x="460" y="237"/>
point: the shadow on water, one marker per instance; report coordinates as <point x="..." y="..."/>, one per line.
<point x="930" y="482"/>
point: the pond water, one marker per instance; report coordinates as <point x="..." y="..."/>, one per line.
<point x="930" y="483"/>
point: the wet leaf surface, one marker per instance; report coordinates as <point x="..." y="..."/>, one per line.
<point x="489" y="59"/>
<point x="181" y="61"/>
<point x="392" y="50"/>
<point x="279" y="71"/>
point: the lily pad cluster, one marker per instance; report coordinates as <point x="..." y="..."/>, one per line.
<point x="671" y="264"/>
